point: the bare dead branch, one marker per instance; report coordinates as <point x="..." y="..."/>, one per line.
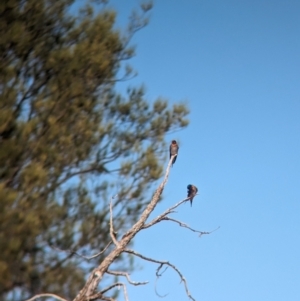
<point x="46" y="295"/>
<point x="125" y="292"/>
<point x="181" y="224"/>
<point x="111" y="228"/>
<point x="109" y="287"/>
<point x="161" y="264"/>
<point x="156" y="292"/>
<point x="82" y="256"/>
<point x="89" y="290"/>
<point x="161" y="217"/>
<point x="156" y="280"/>
<point x="100" y="294"/>
<point x="117" y="273"/>
<point x="101" y="297"/>
<point x="97" y="274"/>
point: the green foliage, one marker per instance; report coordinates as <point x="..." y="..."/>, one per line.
<point x="68" y="142"/>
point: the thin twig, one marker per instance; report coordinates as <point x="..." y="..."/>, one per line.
<point x="47" y="295"/>
<point x="82" y="256"/>
<point x="181" y="224"/>
<point x="100" y="297"/>
<point x="114" y="285"/>
<point x="162" y="263"/>
<point x="108" y="288"/>
<point x="161" y="217"/>
<point x="155" y="287"/>
<point x="125" y="292"/>
<point x="118" y="273"/>
<point x="111" y="228"/>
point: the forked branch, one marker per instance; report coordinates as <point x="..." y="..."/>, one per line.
<point x="97" y="274"/>
<point x="118" y="273"/>
<point x="89" y="291"/>
<point x="161" y="264"/>
<point x="163" y="215"/>
<point x="181" y="224"/>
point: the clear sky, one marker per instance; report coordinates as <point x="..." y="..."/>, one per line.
<point x="237" y="65"/>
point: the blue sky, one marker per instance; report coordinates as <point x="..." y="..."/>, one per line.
<point x="237" y="65"/>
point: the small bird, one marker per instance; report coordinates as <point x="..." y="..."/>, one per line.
<point x="192" y="191"/>
<point x="174" y="150"/>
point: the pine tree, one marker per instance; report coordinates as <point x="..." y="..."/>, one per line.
<point x="68" y="142"/>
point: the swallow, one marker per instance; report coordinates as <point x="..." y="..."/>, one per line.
<point x="192" y="191"/>
<point x="174" y="150"/>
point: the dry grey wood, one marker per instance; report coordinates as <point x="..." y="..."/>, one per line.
<point x="161" y="217"/>
<point x="161" y="264"/>
<point x="181" y="224"/>
<point x="97" y="274"/>
<point x="118" y="273"/>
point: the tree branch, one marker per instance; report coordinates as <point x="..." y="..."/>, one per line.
<point x="162" y="263"/>
<point x="101" y="297"/>
<point x="118" y="273"/>
<point x="161" y="217"/>
<point x="84" y="257"/>
<point x="111" y="227"/>
<point x="89" y="290"/>
<point x="46" y="295"/>
<point x="114" y="285"/>
<point x="100" y="294"/>
<point x="181" y="224"/>
<point x="97" y="274"/>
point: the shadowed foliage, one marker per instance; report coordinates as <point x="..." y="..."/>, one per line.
<point x="69" y="141"/>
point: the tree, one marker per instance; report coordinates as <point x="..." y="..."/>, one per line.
<point x="68" y="140"/>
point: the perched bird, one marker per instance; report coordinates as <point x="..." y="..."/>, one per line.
<point x="174" y="150"/>
<point x="192" y="191"/>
